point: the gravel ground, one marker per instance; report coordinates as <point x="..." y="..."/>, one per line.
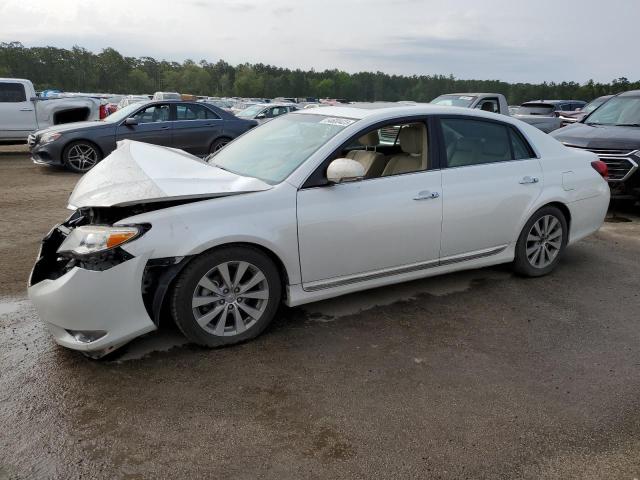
<point x="473" y="375"/>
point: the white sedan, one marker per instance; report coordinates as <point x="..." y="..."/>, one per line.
<point x="307" y="207"/>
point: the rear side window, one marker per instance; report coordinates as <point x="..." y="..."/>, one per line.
<point x="536" y="109"/>
<point x="12" y="92"/>
<point x="194" y="112"/>
<point x="476" y="142"/>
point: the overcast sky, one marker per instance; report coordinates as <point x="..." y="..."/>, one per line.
<point x="511" y="40"/>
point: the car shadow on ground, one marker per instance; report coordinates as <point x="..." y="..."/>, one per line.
<point x="168" y="338"/>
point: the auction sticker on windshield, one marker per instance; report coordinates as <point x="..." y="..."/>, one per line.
<point x="343" y="122"/>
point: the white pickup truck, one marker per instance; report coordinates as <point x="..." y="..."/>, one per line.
<point x="22" y="112"/>
<point x="497" y="103"/>
<point x="489" y="102"/>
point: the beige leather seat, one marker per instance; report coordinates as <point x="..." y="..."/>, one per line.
<point x="413" y="142"/>
<point x="371" y="161"/>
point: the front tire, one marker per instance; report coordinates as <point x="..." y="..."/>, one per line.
<point x="541" y="243"/>
<point x="226" y="296"/>
<point x="81" y="156"/>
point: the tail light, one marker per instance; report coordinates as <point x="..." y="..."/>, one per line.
<point x="103" y="112"/>
<point x="601" y="167"/>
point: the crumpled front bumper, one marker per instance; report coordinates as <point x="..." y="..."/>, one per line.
<point x="106" y="301"/>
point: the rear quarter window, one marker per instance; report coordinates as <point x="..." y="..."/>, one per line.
<point x="536" y="109"/>
<point x="11" y="92"/>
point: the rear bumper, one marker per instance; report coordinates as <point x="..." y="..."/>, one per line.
<point x="587" y="215"/>
<point x="105" y="306"/>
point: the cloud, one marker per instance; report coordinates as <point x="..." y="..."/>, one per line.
<point x="462" y="57"/>
<point x="282" y="10"/>
<point x="492" y="39"/>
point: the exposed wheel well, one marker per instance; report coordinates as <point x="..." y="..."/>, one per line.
<point x="71" y="115"/>
<point x="155" y="314"/>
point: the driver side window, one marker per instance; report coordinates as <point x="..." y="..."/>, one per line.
<point x="153" y="114"/>
<point x="393" y="149"/>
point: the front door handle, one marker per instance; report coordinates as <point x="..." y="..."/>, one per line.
<point x="165" y="128"/>
<point x="526" y="180"/>
<point x="26" y="109"/>
<point x="426" y="195"/>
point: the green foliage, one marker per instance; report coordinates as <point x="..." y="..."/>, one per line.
<point x="78" y="69"/>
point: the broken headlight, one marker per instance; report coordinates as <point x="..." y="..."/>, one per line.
<point x="89" y="239"/>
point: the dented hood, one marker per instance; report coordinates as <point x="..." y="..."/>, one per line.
<point x="142" y="173"/>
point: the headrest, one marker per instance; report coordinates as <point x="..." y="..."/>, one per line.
<point x="371" y="139"/>
<point x="495" y="148"/>
<point x="488" y="107"/>
<point x="411" y="138"/>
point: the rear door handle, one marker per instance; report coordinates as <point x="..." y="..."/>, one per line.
<point x="165" y="128"/>
<point x="26" y="109"/>
<point x="526" y="180"/>
<point x="426" y="195"/>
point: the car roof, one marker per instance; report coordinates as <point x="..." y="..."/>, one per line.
<point x="274" y="104"/>
<point x="390" y="110"/>
<point x="630" y="93"/>
<point x="554" y="102"/>
<point x="472" y="94"/>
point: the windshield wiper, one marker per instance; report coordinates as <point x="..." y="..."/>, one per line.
<point x="627" y="124"/>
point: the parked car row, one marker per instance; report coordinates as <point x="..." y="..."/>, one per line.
<point x="71" y="138"/>
<point x="611" y="131"/>
<point x="197" y="128"/>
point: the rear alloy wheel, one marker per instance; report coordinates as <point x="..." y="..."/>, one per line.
<point x="80" y="157"/>
<point x="226" y="296"/>
<point x="219" y="144"/>
<point x="541" y="242"/>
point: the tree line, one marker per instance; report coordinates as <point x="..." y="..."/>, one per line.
<point x="80" y="70"/>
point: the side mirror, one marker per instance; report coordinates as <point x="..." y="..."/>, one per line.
<point x="579" y="109"/>
<point x="261" y="116"/>
<point x="343" y="170"/>
<point x="131" y="121"/>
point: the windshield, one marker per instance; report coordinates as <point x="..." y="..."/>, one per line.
<point x="617" y="111"/>
<point x="536" y="109"/>
<point x="250" y="112"/>
<point x="272" y="151"/>
<point x="123" y="113"/>
<point x="454" y="100"/>
<point x="591" y="106"/>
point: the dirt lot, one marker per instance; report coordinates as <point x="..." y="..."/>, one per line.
<point x="473" y="375"/>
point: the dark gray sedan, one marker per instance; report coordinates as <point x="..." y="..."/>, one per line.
<point x="197" y="128"/>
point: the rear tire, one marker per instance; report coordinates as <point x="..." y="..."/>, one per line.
<point x="219" y="144"/>
<point x="541" y="243"/>
<point x="81" y="156"/>
<point x="226" y="296"/>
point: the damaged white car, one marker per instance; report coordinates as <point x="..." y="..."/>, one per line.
<point x="307" y="207"/>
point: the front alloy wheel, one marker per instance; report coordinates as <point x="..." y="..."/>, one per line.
<point x="230" y="298"/>
<point x="226" y="296"/>
<point x="80" y="157"/>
